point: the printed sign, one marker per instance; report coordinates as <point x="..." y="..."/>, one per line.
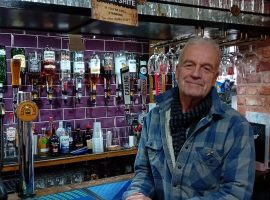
<point x="27" y="111"/>
<point x="117" y="11"/>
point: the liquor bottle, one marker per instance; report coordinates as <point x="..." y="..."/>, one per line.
<point x="77" y="138"/>
<point x="108" y="67"/>
<point x="65" y="67"/>
<point x="49" y="70"/>
<point x="69" y="133"/>
<point x="78" y="72"/>
<point x="34" y="70"/>
<point x="94" y="68"/>
<point x="49" y="129"/>
<point x="54" y="144"/>
<point x="88" y="139"/>
<point x="3" y="70"/>
<point x="43" y="144"/>
<point x="64" y="138"/>
<point x="15" y="66"/>
<point x="10" y="139"/>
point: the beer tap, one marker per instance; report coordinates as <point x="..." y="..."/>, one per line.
<point x="132" y="65"/>
<point x="49" y="71"/>
<point x="94" y="69"/>
<point x="78" y="72"/>
<point x="143" y="86"/>
<point x="108" y="66"/>
<point x="65" y="67"/>
<point x="120" y="62"/>
<point x="34" y="70"/>
<point x="126" y="91"/>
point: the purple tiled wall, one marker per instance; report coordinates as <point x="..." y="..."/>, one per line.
<point x="111" y="115"/>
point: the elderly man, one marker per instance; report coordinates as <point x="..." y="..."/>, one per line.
<point x="193" y="146"/>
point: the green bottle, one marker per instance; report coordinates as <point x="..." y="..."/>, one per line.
<point x="19" y="53"/>
<point x="3" y="66"/>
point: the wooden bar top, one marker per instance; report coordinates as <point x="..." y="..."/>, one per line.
<point x="85" y="184"/>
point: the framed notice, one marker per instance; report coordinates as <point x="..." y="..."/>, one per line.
<point x="117" y="11"/>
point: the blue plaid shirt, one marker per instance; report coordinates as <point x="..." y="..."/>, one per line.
<point x="216" y="162"/>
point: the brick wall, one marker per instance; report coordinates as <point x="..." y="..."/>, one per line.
<point x="253" y="92"/>
<point x="111" y="116"/>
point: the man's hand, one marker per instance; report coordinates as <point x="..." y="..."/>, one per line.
<point x="138" y="196"/>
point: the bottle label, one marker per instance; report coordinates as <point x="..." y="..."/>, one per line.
<point x="22" y="58"/>
<point x="44" y="150"/>
<point x="65" y="65"/>
<point x="89" y="144"/>
<point x="79" y="67"/>
<point x="120" y="62"/>
<point x="95" y="66"/>
<point x="49" y="59"/>
<point x="11" y="134"/>
<point x="55" y="147"/>
<point x="2" y="52"/>
<point x="132" y="66"/>
<point x="34" y="65"/>
<point x="64" y="143"/>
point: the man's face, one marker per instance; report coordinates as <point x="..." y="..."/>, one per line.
<point x="197" y="71"/>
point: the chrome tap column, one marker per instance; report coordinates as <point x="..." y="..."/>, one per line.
<point x="26" y="111"/>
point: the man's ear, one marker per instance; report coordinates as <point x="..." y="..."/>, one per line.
<point x="215" y="78"/>
<point x="176" y="71"/>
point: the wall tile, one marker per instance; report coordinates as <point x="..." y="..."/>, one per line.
<point x="96" y="112"/>
<point x="106" y="122"/>
<point x="114" y="46"/>
<point x="25" y="41"/>
<point x="145" y="48"/>
<point x="133" y="47"/>
<point x="56" y="114"/>
<point x="83" y="123"/>
<point x="115" y="111"/>
<point x="96" y="45"/>
<point x="5" y="39"/>
<point x="74" y="113"/>
<point x="120" y="121"/>
<point x="53" y="42"/>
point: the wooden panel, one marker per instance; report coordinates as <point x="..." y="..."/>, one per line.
<point x="73" y="159"/>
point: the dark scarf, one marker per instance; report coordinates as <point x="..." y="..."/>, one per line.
<point x="180" y="122"/>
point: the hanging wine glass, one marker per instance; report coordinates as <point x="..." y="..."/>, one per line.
<point x="238" y="61"/>
<point x="172" y="62"/>
<point x="251" y="61"/>
<point x="152" y="63"/>
<point x="226" y="64"/>
<point x="162" y="63"/>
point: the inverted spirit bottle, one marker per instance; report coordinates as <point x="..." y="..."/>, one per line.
<point x="65" y="67"/>
<point x="34" y="71"/>
<point x="94" y="67"/>
<point x="49" y="70"/>
<point x="108" y="67"/>
<point x="78" y="71"/>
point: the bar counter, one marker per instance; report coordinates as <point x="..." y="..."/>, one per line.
<point x="85" y="184"/>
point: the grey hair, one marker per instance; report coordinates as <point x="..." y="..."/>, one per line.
<point x="201" y="40"/>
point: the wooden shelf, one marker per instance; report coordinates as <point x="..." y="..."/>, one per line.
<point x="73" y="159"/>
